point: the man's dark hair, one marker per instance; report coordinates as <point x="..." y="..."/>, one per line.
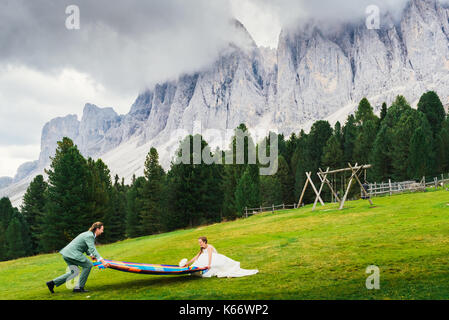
<point x="95" y="226"/>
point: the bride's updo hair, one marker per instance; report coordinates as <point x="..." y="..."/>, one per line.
<point x="204" y="239"/>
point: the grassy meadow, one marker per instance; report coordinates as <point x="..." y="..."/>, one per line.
<point x="300" y="254"/>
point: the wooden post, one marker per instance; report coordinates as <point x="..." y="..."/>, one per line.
<point x="309" y="180"/>
<point x="272" y="210"/>
<point x="348" y="188"/>
<point x="361" y="186"/>
<point x="389" y="183"/>
<point x="332" y="194"/>
<point x="309" y="174"/>
<point x="323" y="177"/>
<point x="303" y="192"/>
<point x="283" y="206"/>
<point x="346" y="194"/>
<point x="321" y="187"/>
<point x="246" y="212"/>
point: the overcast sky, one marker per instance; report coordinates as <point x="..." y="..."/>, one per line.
<point x="121" y="48"/>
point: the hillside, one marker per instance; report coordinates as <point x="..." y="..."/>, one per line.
<point x="300" y="254"/>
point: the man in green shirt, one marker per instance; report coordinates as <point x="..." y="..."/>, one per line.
<point x="73" y="256"/>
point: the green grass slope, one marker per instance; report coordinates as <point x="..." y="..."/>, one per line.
<point x="300" y="254"/>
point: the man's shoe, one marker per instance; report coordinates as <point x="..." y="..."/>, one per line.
<point x="81" y="290"/>
<point x="51" y="285"/>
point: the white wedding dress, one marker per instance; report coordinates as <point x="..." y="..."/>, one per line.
<point x="221" y="266"/>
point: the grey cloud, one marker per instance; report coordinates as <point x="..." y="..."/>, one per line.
<point x="127" y="45"/>
<point x="295" y="12"/>
<point x="131" y="45"/>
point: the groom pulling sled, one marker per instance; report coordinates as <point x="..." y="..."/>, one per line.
<point x="73" y="255"/>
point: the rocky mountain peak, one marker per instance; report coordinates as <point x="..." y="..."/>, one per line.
<point x="316" y="72"/>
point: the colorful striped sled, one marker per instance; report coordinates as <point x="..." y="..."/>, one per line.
<point x="144" y="268"/>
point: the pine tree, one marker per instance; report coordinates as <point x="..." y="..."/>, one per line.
<point x="400" y="151"/>
<point x="247" y="193"/>
<point x="254" y="173"/>
<point x="367" y="125"/>
<point x="229" y="185"/>
<point x="363" y="144"/>
<point x="67" y="210"/>
<point x="430" y="104"/>
<point x="114" y="219"/>
<point x="402" y="134"/>
<point x="299" y="151"/>
<point x="420" y="151"/>
<point x="442" y="150"/>
<point x="383" y="112"/>
<point x="194" y="189"/>
<point x="364" y="113"/>
<point x="282" y="145"/>
<point x="349" y="137"/>
<point x="338" y="133"/>
<point x="100" y="188"/>
<point x="3" y="245"/>
<point x="15" y="240"/>
<point x="385" y="146"/>
<point x="134" y="207"/>
<point x="300" y="163"/>
<point x="33" y="209"/>
<point x="286" y="180"/>
<point x="381" y="156"/>
<point x="332" y="153"/>
<point x="232" y="173"/>
<point x="291" y="146"/>
<point x="271" y="191"/>
<point x="209" y="182"/>
<point x="6" y="212"/>
<point x="180" y="197"/>
<point x="25" y="233"/>
<point x="15" y="244"/>
<point x="151" y="211"/>
<point x="319" y="134"/>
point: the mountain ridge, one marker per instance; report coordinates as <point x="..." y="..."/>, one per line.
<point x="313" y="74"/>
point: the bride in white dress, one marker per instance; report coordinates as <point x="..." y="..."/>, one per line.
<point x="218" y="264"/>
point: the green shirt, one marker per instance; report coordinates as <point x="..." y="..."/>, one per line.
<point x="83" y="243"/>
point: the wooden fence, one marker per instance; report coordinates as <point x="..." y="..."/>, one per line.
<point x="390" y="188"/>
<point x="374" y="190"/>
<point x="273" y="208"/>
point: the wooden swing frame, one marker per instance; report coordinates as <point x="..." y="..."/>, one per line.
<point x="322" y="175"/>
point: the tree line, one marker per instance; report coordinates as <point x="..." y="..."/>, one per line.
<point x="403" y="143"/>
